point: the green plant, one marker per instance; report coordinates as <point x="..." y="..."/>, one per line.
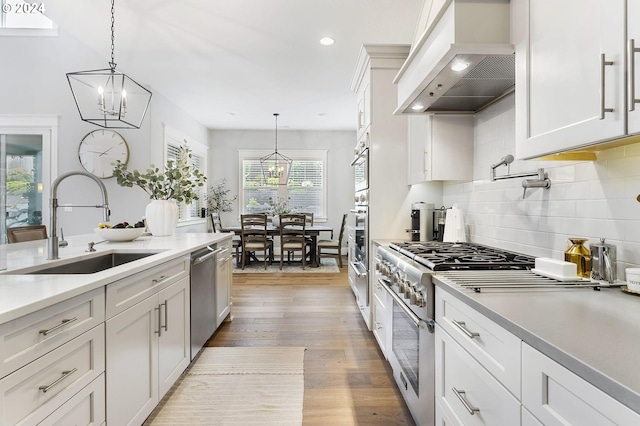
<point x="218" y="199"/>
<point x="177" y="182"/>
<point x="280" y="206"/>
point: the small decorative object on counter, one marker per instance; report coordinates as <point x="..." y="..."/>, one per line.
<point x="579" y="255"/>
<point x="633" y="279"/>
<point x="603" y="262"/>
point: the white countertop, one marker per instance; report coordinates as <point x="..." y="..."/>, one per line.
<point x="595" y="334"/>
<point x="23" y="294"/>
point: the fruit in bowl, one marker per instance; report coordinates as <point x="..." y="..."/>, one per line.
<point x="124" y="233"/>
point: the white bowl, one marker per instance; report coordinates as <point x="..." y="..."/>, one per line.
<point x="119" y="234"/>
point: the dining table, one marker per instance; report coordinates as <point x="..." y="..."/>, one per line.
<point x="311" y="231"/>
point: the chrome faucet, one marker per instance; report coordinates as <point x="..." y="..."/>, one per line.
<point x="52" y="249"/>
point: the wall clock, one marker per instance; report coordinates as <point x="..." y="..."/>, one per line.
<point x="100" y="149"/>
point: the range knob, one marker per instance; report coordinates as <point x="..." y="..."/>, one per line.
<point x="421" y="299"/>
<point x="362" y="198"/>
<point x="408" y="291"/>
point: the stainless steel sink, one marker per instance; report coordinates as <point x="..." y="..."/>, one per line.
<point x="92" y="265"/>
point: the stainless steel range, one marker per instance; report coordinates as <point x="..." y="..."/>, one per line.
<point x="405" y="269"/>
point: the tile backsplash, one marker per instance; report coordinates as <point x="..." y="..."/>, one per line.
<point x="588" y="199"/>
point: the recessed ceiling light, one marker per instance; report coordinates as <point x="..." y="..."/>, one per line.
<point x="327" y="41"/>
<point x="459" y="66"/>
<point x="417" y="107"/>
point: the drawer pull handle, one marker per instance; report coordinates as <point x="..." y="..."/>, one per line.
<point x="159" y="332"/>
<point x="159" y="280"/>
<point x="65" y="374"/>
<point x="57" y="327"/>
<point x="166" y="316"/>
<point x="603" y="64"/>
<point x="459" y="394"/>
<point x="461" y="326"/>
<point x="379" y="326"/>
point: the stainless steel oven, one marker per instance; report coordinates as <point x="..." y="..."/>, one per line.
<point x="358" y="252"/>
<point x="412" y="325"/>
<point x="361" y="170"/>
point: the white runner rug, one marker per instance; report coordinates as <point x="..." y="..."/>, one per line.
<point x="237" y="386"/>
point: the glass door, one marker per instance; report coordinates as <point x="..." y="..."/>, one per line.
<point x="21" y="181"/>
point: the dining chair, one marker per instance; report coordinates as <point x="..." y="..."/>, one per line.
<point x="293" y="237"/>
<point x="331" y="245"/>
<point x="308" y="218"/>
<point x="236" y="241"/>
<point x="20" y="234"/>
<point x="253" y="233"/>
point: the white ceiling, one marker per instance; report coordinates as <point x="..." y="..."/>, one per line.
<point x="232" y="63"/>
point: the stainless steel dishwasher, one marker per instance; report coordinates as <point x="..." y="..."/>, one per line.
<point x="203" y="296"/>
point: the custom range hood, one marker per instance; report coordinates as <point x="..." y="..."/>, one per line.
<point x="463" y="60"/>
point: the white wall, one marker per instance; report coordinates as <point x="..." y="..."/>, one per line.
<point x="33" y="81"/>
<point x="224" y="163"/>
<point x="587" y="199"/>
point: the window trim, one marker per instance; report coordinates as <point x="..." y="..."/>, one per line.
<point x="296" y="155"/>
<point x="173" y="136"/>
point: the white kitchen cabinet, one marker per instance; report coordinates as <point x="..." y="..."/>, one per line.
<point x="376" y="68"/>
<point x="224" y="279"/>
<point x="465" y="391"/>
<point x="570" y="74"/>
<point x="31" y="336"/>
<point x="363" y="96"/>
<point x="147" y="349"/>
<point x="495" y="348"/>
<point x="35" y="391"/>
<point x="528" y="419"/>
<point x="440" y="147"/>
<point x="382" y="313"/>
<point x="84" y="408"/>
<point x="556" y="396"/>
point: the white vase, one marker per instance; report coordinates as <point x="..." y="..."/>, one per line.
<point x="275" y="220"/>
<point x="162" y="217"/>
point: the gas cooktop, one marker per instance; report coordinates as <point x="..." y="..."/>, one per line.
<point x="441" y="256"/>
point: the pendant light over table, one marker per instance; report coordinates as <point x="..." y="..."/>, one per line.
<point x="109" y="98"/>
<point x="276" y="166"/>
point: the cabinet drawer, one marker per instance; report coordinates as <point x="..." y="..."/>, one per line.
<point x="463" y="386"/>
<point x="380" y="324"/>
<point x="556" y="396"/>
<point x="26" y="338"/>
<point x="125" y="293"/>
<point x="383" y="297"/>
<point x="87" y="407"/>
<point x="494" y="347"/>
<point x="39" y="388"/>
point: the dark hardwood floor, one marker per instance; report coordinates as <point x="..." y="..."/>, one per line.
<point x="347" y="381"/>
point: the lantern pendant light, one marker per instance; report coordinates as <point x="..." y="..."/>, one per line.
<point x="109" y="98"/>
<point x="275" y="166"/>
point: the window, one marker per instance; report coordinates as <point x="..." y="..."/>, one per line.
<point x="305" y="191"/>
<point x="25" y="18"/>
<point x="173" y="141"/>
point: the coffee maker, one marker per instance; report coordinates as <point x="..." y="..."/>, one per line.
<point x="438" y="221"/>
<point x="421" y="222"/>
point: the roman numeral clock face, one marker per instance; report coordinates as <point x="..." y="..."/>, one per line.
<point x="100" y="149"/>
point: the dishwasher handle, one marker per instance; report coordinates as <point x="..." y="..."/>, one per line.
<point x="201" y="259"/>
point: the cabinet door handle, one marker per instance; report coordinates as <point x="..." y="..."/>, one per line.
<point x="632" y="74"/>
<point x="62" y="324"/>
<point x="460" y="394"/>
<point x="159" y="280"/>
<point x="378" y="326"/>
<point x="603" y="64"/>
<point x="166" y="316"/>
<point x="65" y="374"/>
<point x="159" y="332"/>
<point x="462" y="326"/>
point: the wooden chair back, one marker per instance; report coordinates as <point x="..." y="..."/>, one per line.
<point x="308" y="218"/>
<point x="215" y="222"/>
<point x="253" y="228"/>
<point x="342" y="227"/>
<point x="292" y="230"/>
<point x="20" y="234"/>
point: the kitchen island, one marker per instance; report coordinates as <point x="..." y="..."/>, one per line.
<point x="570" y="339"/>
<point x="85" y="348"/>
